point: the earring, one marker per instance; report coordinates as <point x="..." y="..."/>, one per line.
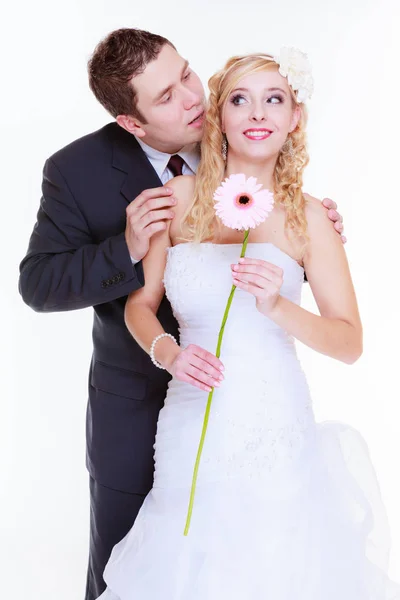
<point x="224" y="147"/>
<point x="288" y="147"/>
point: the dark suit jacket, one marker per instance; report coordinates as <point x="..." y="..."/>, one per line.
<point x="78" y="257"/>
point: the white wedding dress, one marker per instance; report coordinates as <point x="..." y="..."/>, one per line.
<point x="285" y="509"/>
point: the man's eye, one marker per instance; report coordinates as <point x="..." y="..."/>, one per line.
<point x="186" y="77"/>
<point x="166" y="99"/>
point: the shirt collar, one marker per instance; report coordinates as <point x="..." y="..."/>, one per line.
<point x="159" y="160"/>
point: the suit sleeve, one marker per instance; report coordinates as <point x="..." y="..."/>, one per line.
<point x="63" y="268"/>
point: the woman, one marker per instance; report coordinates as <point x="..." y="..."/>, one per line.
<point x="284" y="508"/>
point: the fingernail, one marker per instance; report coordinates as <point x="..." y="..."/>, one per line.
<point x="241" y="260"/>
<point x="168" y="190"/>
<point x="216" y="384"/>
<point x="221" y="377"/>
<point x="222" y="368"/>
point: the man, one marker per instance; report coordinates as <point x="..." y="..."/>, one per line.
<point x="102" y="202"/>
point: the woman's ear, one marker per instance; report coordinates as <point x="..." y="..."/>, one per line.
<point x="295" y="119"/>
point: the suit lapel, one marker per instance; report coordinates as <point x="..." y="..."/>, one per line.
<point x="129" y="157"/>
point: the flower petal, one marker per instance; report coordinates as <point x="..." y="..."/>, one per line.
<point x="237" y="216"/>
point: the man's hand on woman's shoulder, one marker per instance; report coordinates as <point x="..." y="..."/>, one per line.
<point x="335" y="217"/>
<point x="331" y="211"/>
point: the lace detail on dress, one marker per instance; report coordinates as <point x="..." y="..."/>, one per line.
<point x="259" y="450"/>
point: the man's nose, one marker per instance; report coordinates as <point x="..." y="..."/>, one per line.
<point x="191" y="99"/>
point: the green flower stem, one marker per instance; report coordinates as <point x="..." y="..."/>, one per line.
<point x="210" y="396"/>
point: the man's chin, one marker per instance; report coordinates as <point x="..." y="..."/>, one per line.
<point x="188" y="140"/>
<point x="195" y="135"/>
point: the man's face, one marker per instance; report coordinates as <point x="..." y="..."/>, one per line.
<point x="171" y="98"/>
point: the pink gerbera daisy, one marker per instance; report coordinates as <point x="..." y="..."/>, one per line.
<point x="242" y="204"/>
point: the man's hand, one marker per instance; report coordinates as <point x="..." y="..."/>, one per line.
<point x="335" y="217"/>
<point x="145" y="216"/>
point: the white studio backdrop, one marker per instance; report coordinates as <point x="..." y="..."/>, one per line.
<point x="46" y="103"/>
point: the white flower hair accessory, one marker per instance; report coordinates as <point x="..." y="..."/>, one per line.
<point x="295" y="65"/>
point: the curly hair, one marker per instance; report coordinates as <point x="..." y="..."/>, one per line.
<point x="199" y="220"/>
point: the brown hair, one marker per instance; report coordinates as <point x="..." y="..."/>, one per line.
<point x="118" y="58"/>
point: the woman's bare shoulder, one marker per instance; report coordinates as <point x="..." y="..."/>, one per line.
<point x="183" y="186"/>
<point x="317" y="218"/>
<point x="183" y="189"/>
<point x="313" y="205"/>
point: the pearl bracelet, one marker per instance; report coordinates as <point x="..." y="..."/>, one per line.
<point x="153" y="345"/>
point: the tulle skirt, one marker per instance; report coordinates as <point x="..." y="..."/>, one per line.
<point x="312" y="529"/>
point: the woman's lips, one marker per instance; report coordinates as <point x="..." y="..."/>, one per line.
<point x="257" y="134"/>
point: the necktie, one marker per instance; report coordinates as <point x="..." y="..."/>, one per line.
<point x="175" y="165"/>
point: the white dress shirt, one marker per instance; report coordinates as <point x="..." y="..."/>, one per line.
<point x="160" y="160"/>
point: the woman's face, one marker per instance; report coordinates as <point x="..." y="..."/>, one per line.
<point x="259" y="115"/>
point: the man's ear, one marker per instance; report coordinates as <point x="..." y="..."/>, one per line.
<point x="295" y="119"/>
<point x="131" y="125"/>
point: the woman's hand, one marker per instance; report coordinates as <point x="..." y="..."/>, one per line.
<point x="260" y="278"/>
<point x="198" y="367"/>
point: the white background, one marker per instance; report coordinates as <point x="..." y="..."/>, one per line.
<point x="45" y="103"/>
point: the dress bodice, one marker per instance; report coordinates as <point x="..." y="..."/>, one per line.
<point x="198" y="281"/>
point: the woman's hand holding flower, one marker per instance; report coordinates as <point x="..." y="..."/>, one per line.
<point x="260" y="278"/>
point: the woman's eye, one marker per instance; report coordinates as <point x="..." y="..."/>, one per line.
<point x="275" y="100"/>
<point x="186" y="77"/>
<point x="237" y="100"/>
<point x="166" y="99"/>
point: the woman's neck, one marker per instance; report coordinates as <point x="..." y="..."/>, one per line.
<point x="263" y="171"/>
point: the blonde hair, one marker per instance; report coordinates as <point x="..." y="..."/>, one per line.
<point x="199" y="221"/>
